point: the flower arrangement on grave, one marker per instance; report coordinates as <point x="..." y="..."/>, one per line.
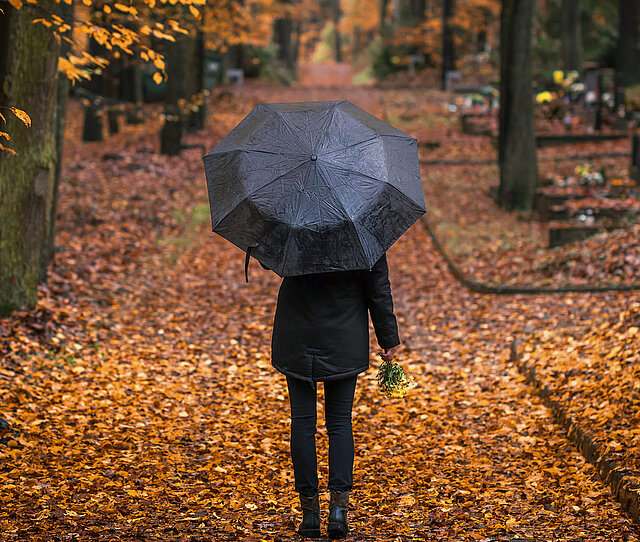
<point x="545" y="96"/>
<point x="568" y="80"/>
<point x="393" y="381"/>
<point x="588" y="175"/>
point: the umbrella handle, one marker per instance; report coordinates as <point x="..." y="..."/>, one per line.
<point x="246" y="261"/>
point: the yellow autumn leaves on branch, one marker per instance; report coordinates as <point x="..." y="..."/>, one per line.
<point x="22" y="115"/>
<point x="122" y="28"/>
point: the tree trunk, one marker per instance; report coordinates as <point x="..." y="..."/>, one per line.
<point x="112" y="85"/>
<point x="282" y="30"/>
<point x="191" y="79"/>
<point x="66" y="12"/>
<point x="516" y="144"/>
<point x="337" y="38"/>
<point x="448" y="55"/>
<point x="29" y="81"/>
<point x="356" y="48"/>
<point x="628" y="52"/>
<point x="198" y="115"/>
<point x="135" y="115"/>
<point x="171" y="134"/>
<point x="92" y="128"/>
<point x="296" y="43"/>
<point x="571" y="34"/>
<point x="417" y="10"/>
<point x="383" y="16"/>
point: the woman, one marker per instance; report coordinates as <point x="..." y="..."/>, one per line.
<point x="321" y="334"/>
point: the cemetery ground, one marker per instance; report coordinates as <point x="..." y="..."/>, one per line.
<point x="142" y="404"/>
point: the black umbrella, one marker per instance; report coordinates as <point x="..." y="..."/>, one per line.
<point x="314" y="187"/>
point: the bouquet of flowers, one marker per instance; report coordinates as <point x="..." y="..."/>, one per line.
<point x="393" y="381"/>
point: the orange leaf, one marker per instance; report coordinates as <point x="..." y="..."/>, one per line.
<point x="10" y="151"/>
<point x="195" y="12"/>
<point x="22" y="116"/>
<point x="157" y="77"/>
<point x="5" y="135"/>
<point x="16" y="3"/>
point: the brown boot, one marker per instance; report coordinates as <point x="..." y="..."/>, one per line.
<point x="310" y="525"/>
<point x="338" y="506"/>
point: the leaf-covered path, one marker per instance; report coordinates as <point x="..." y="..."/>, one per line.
<point x="145" y="407"/>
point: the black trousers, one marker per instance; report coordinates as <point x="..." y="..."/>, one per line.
<point x="338" y="404"/>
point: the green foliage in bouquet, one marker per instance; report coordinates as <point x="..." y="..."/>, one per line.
<point x="393" y="381"/>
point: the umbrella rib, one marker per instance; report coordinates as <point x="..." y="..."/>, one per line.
<point x="337" y="198"/>
<point x="256" y="190"/>
<point x="357" y="173"/>
<point x="323" y="155"/>
<point x="328" y="124"/>
<point x="331" y="165"/>
<point x="275" y="179"/>
<point x="272" y="152"/>
<point x="290" y="128"/>
<point x="399" y="136"/>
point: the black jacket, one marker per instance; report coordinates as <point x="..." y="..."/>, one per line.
<point x="321" y="325"/>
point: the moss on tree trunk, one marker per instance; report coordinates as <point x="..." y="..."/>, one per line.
<point x="29" y="81"/>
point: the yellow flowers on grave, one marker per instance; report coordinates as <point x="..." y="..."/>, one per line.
<point x="565" y="79"/>
<point x="393" y="381"/>
<point x="544" y="96"/>
<point x="588" y="175"/>
<point x="558" y="77"/>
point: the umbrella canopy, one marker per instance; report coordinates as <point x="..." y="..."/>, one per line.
<point x="314" y="187"/>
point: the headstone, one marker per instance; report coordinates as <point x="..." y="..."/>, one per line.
<point x="563" y="236"/>
<point x="237" y="75"/>
<point x="622" y="123"/>
<point x="92" y="126"/>
<point x="449" y="77"/>
<point x="414" y="60"/>
<point x="112" y="117"/>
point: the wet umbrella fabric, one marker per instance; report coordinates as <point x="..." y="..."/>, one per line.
<point x="314" y="187"/>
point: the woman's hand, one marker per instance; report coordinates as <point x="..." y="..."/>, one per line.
<point x="388" y="353"/>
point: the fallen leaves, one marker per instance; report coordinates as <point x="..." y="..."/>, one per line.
<point x="594" y="374"/>
<point x="142" y="404"/>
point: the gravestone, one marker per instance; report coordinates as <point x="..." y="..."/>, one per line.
<point x="450" y="76"/>
<point x="237" y="75"/>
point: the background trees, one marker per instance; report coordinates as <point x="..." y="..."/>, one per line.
<point x="112" y="50"/>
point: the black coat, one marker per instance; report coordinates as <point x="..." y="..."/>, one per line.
<point x="321" y="325"/>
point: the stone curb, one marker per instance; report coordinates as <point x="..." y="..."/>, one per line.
<point x="623" y="487"/>
<point x="486" y="288"/>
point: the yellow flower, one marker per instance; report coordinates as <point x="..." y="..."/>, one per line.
<point x="558" y="77"/>
<point x="544" y="96"/>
